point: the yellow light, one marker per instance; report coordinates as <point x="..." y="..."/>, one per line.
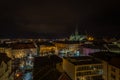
<point x="17" y="75"/>
<point x="90" y="38"/>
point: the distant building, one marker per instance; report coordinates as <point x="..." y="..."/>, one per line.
<point x="83" y="68"/>
<point x="114" y="69"/>
<point x="113" y="48"/>
<point x="46" y="48"/>
<point x="6" y="48"/>
<point x="20" y="50"/>
<point x="4" y="40"/>
<point x="117" y="43"/>
<point x="86" y="49"/>
<point x="68" y="48"/>
<point x="77" y="37"/>
<point x="2" y="48"/>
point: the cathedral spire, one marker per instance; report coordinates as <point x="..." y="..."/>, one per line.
<point x="76" y="29"/>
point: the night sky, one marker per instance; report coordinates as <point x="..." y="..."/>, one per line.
<point x="37" y="18"/>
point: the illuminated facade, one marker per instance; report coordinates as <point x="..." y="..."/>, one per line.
<point x="67" y="48"/>
<point x="86" y="49"/>
<point x="46" y="48"/>
<point x="77" y="37"/>
<point x="111" y="65"/>
<point x="5" y="67"/>
<point x="2" y="49"/>
<point x="114" y="73"/>
<point x="19" y="53"/>
<point x="111" y="69"/>
<point x="23" y="49"/>
<point x="8" y="51"/>
<point x="5" y="48"/>
<point x="114" y="69"/>
<point x="83" y="68"/>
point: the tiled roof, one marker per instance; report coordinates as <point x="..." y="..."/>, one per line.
<point x="45" y="43"/>
<point x="68" y="42"/>
<point x="23" y="46"/>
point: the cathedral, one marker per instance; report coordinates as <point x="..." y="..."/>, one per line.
<point x="77" y="37"/>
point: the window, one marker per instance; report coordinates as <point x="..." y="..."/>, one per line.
<point x="113" y="69"/>
<point x="79" y="74"/>
<point x="113" y="76"/>
<point x="79" y="69"/>
<point x="96" y="78"/>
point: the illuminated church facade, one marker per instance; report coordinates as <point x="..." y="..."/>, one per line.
<point x="77" y="37"/>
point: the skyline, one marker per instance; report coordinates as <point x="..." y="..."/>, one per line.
<point x="22" y="18"/>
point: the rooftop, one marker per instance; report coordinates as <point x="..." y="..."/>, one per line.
<point x="52" y="75"/>
<point x="23" y="46"/>
<point x="92" y="46"/>
<point x="46" y="60"/>
<point x="113" y="47"/>
<point x="68" y="42"/>
<point x="112" y="58"/>
<point x="44" y="69"/>
<point x="82" y="60"/>
<point x="107" y="56"/>
<point x="45" y="43"/>
<point x="4" y="45"/>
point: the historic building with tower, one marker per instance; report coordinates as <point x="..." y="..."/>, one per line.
<point x="76" y="36"/>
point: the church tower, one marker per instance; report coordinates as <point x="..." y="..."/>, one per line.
<point x="76" y="30"/>
<point x="76" y="36"/>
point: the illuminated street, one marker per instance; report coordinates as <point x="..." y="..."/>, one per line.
<point x="25" y="69"/>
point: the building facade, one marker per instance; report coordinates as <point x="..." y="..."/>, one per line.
<point x="6" y="67"/>
<point x="83" y="68"/>
<point x="20" y="50"/>
<point x="111" y="65"/>
<point x="68" y="48"/>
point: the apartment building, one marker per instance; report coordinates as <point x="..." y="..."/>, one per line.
<point x="83" y="68"/>
<point x="111" y="65"/>
<point x="114" y="69"/>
